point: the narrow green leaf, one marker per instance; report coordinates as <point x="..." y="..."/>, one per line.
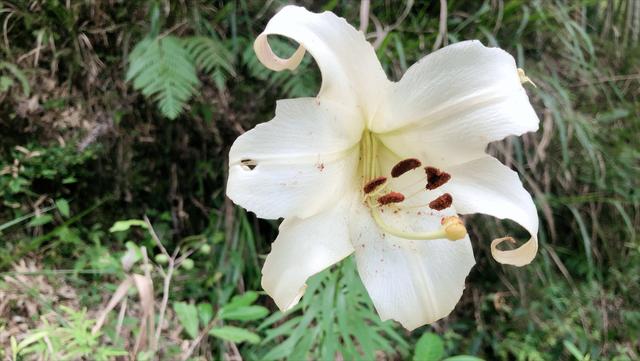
<point x="34" y="337"/>
<point x="573" y="350"/>
<point x="246" y="313"/>
<point x="245" y="299"/>
<point x="120" y="226"/>
<point x="463" y="358"/>
<point x="234" y="334"/>
<point x="40" y="220"/>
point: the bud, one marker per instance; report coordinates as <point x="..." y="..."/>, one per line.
<point x="205" y="248"/>
<point x="187" y="264"/>
<point x="161" y="258"/>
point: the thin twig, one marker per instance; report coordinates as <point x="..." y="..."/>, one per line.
<point x="167" y="278"/>
<point x="381" y="33"/>
<point x="165" y="299"/>
<point x="121" y="315"/>
<point x="198" y="339"/>
<point x="147" y="275"/>
<point x="364" y="15"/>
<point x="155" y="236"/>
<point x="442" y="27"/>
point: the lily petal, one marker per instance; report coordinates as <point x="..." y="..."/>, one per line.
<point x="351" y="72"/>
<point x="487" y="186"/>
<point x="303" y="248"/>
<point x="299" y="163"/>
<point x="451" y="104"/>
<point x="412" y="282"/>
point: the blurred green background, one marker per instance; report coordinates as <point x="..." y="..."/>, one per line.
<point x="116" y="118"/>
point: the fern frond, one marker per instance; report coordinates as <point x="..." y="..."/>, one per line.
<point x="210" y="56"/>
<point x="163" y="70"/>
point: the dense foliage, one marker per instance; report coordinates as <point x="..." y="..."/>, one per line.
<point x="116" y="237"/>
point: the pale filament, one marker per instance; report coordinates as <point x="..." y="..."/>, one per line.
<point x="379" y="194"/>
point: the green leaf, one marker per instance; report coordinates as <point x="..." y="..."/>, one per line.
<point x="18" y="74"/>
<point x="429" y="348"/>
<point x="234" y="334"/>
<point x="205" y="312"/>
<point x="188" y="316"/>
<point x="121" y="226"/>
<point x="463" y="358"/>
<point x="573" y="350"/>
<point x="5" y="83"/>
<point x="63" y="207"/>
<point x="34" y="337"/>
<point x="243" y="300"/>
<point x="14" y="347"/>
<point x="245" y="313"/>
<point x="40" y="220"/>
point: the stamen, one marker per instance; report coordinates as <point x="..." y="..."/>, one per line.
<point x="436" y="177"/>
<point x="373" y="184"/>
<point x="404" y="166"/>
<point x="392" y="197"/>
<point x="453" y="228"/>
<point x="442" y="202"/>
<point x="524" y="78"/>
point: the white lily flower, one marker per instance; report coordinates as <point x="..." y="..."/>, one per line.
<point x="381" y="168"/>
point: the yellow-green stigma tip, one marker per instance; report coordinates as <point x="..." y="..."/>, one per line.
<point x="454" y="228"/>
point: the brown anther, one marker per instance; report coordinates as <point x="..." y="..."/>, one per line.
<point x="392" y="197"/>
<point x="436" y="177"/>
<point x="404" y="166"/>
<point x="442" y="202"/>
<point x="373" y="184"/>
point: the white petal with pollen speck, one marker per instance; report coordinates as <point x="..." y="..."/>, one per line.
<point x="303" y="248"/>
<point x="302" y="160"/>
<point x="448" y="107"/>
<point x="487" y="186"/>
<point x="412" y="282"/>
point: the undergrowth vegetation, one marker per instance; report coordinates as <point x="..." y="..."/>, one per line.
<point x="116" y="239"/>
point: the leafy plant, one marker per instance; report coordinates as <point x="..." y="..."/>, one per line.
<point x="430" y="347"/>
<point x="211" y="57"/>
<point x="163" y="70"/>
<point x="7" y="81"/>
<point x="69" y="339"/>
<point x="240" y="308"/>
<point x="337" y="318"/>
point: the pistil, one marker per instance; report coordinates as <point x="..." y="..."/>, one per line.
<point x="374" y="183"/>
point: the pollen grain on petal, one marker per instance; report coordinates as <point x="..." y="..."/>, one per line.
<point x="392" y="197"/>
<point x="436" y="177"/>
<point x="373" y="184"/>
<point x="442" y="202"/>
<point x="404" y="166"/>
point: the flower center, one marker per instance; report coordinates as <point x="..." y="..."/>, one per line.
<point x="378" y="194"/>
